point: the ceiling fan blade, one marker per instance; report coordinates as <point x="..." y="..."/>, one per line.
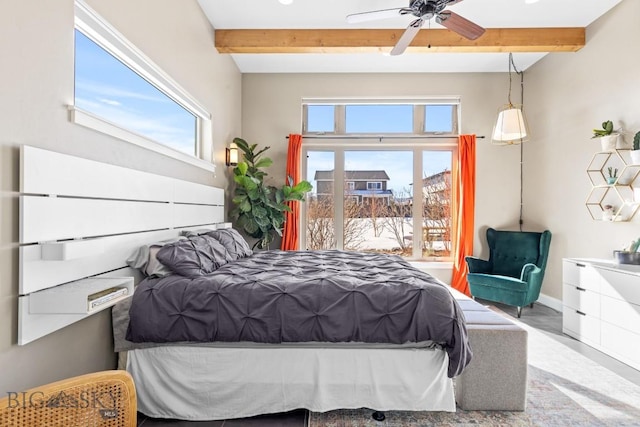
<point x="408" y="36"/>
<point x="460" y="25"/>
<point x="375" y="15"/>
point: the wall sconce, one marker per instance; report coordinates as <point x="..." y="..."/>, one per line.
<point x="231" y="155"/>
<point x="511" y="126"/>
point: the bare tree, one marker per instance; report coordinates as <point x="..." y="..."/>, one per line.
<point x="321" y="227"/>
<point x="354" y="228"/>
<point x="320" y="223"/>
<point x="396" y="219"/>
<point x="436" y="194"/>
<point x="374" y="208"/>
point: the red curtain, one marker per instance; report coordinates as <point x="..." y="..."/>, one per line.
<point x="463" y="207"/>
<point x="292" y="219"/>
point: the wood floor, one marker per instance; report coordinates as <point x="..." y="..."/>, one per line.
<point x="540" y="317"/>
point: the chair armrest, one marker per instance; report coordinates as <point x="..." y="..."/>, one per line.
<point x="477" y="265"/>
<point x="530" y="272"/>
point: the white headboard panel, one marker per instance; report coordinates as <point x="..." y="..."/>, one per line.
<point x="81" y="218"/>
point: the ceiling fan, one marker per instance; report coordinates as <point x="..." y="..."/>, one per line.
<point x="424" y="10"/>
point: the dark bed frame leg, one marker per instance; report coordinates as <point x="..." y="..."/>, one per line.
<point x="378" y="416"/>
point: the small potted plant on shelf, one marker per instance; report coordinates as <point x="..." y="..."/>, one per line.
<point x="635" y="153"/>
<point x="608" y="138"/>
<point x="613" y="175"/>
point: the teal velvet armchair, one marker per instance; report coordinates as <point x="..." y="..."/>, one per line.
<point x="515" y="269"/>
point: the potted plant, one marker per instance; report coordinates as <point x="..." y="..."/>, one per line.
<point x="260" y="208"/>
<point x="635" y="153"/>
<point x="608" y="212"/>
<point x="613" y="175"/>
<point x="607" y="137"/>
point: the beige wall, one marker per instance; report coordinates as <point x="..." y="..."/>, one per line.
<point x="271" y="109"/>
<point x="36" y="41"/>
<point x="567" y="96"/>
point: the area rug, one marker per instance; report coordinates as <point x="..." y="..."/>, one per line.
<point x="565" y="389"/>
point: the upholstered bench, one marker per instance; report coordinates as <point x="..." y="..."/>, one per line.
<point x="496" y="378"/>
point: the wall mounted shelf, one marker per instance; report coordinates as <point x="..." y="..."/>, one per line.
<point x="50" y="309"/>
<point x="623" y="193"/>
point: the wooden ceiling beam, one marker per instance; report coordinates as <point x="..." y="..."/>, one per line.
<point x="382" y="40"/>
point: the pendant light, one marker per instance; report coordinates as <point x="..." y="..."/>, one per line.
<point x="511" y="124"/>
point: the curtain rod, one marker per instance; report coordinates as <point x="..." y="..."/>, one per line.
<point x="380" y="137"/>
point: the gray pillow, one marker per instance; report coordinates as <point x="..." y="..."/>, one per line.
<point x="233" y="242"/>
<point x="145" y="258"/>
<point x="196" y="256"/>
<point x="193" y="233"/>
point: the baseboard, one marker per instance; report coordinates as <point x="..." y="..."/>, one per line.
<point x="550" y="302"/>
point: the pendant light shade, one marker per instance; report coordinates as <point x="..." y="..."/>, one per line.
<point x="511" y="126"/>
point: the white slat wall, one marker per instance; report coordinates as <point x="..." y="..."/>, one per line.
<point x="67" y="201"/>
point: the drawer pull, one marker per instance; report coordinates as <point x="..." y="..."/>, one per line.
<point x="581" y="289"/>
<point x="581" y="313"/>
<point x="580" y="265"/>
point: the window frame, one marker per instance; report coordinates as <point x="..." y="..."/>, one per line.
<point x="377" y="187"/>
<point x="418" y="146"/>
<point x="93" y="26"/>
<point x="419" y="114"/>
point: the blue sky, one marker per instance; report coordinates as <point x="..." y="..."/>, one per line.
<point x="380" y="119"/>
<point x="107" y="88"/>
<point x="397" y="164"/>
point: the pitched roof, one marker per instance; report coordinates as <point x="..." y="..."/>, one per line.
<point x="378" y="175"/>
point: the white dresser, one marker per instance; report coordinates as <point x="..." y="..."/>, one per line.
<point x="601" y="306"/>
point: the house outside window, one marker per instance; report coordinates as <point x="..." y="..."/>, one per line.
<point x="402" y="205"/>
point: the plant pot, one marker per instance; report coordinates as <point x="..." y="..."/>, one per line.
<point x="624" y="257"/>
<point x="608" y="142"/>
<point x="611" y="180"/>
<point x="635" y="157"/>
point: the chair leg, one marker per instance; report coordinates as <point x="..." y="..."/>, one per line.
<point x="531" y="306"/>
<point x="519" y="311"/>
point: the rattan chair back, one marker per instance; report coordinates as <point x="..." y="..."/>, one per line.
<point x="99" y="399"/>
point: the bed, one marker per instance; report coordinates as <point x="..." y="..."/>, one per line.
<point x="228" y="333"/>
<point x="79" y="227"/>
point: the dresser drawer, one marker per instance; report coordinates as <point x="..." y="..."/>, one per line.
<point x="621" y="286"/>
<point x="581" y="326"/>
<point x="581" y="299"/>
<point x="621" y="344"/>
<point x="581" y="274"/>
<point x="620" y="313"/>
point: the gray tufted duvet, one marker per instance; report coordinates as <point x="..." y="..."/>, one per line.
<point x="325" y="296"/>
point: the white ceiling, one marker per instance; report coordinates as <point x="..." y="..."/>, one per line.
<point x="326" y="14"/>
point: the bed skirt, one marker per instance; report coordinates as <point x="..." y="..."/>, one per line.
<point x="205" y="383"/>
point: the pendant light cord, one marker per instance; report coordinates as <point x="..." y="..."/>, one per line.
<point x="521" y="74"/>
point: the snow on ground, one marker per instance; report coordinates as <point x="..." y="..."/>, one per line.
<point x="387" y="239"/>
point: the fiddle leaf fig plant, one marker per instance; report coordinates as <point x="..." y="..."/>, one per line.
<point x="260" y="208"/>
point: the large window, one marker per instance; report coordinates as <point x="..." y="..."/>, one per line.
<point x="390" y="194"/>
<point x="121" y="92"/>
